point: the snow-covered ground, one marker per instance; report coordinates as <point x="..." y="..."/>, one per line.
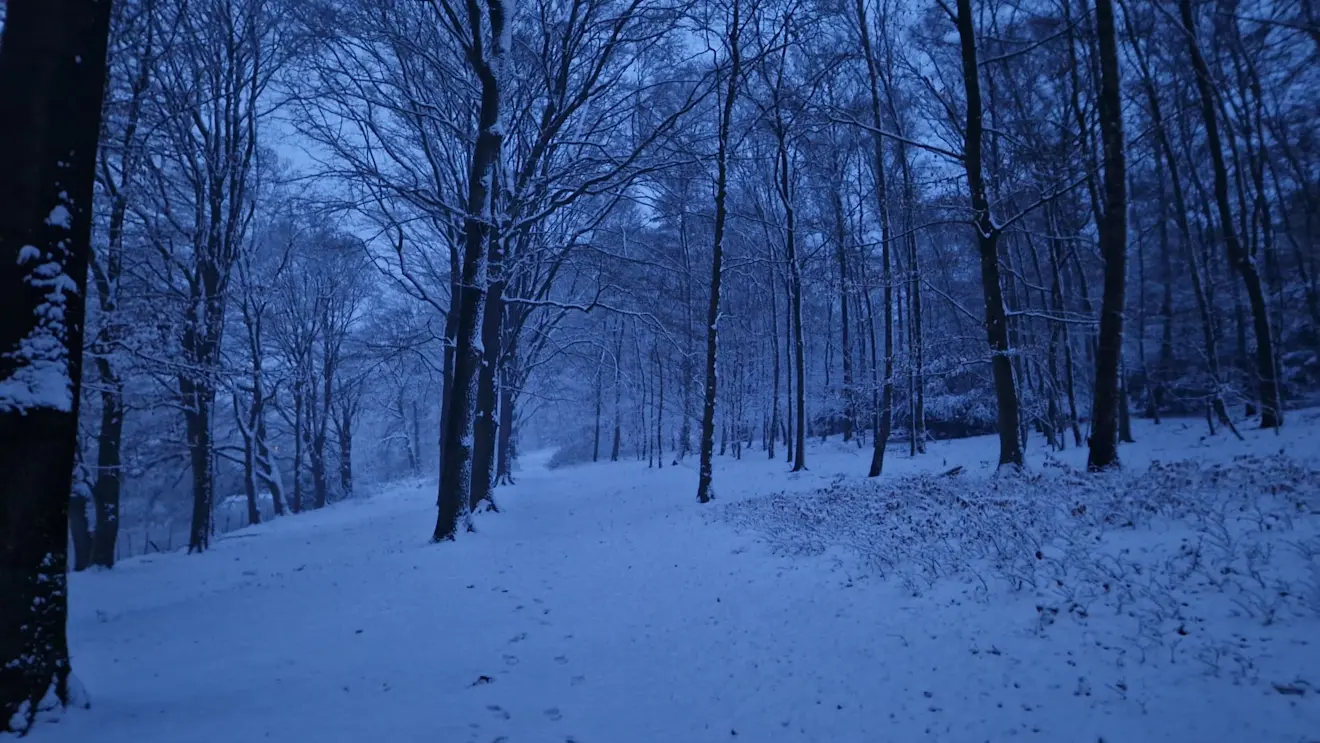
<point x="606" y="606"/>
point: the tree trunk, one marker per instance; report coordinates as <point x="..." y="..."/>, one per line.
<point x="52" y="77"/>
<point x="486" y="425"/>
<point x="506" y="442"/>
<point x="329" y="363"/>
<point x="105" y="492"/>
<point x="344" y="432"/>
<point x="269" y="472"/>
<point x="885" y="415"/>
<point x="249" y="463"/>
<point x="1113" y="248"/>
<point x="456" y="469"/>
<point x="447" y="372"/>
<point x="987" y="238"/>
<point x="773" y="434"/>
<point x="600" y="403"/>
<point x="659" y="408"/>
<point x="296" y="505"/>
<point x="704" y="494"/>
<point x="197" y="423"/>
<point x="789" y="372"/>
<point x="80" y="529"/>
<point x="795" y="293"/>
<point x="617" y="441"/>
<point x="1124" y="414"/>
<point x="841" y="255"/>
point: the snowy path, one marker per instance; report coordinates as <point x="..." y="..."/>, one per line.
<point x="602" y="607"/>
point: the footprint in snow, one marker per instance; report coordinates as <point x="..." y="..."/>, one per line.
<point x="554" y="714"/>
<point x="518" y="637"/>
<point x="511" y="660"/>
<point x="498" y="711"/>
<point x="561" y="659"/>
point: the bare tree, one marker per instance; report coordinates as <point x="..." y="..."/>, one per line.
<point x="733" y="50"/>
<point x="987" y="239"/>
<point x="485" y="52"/>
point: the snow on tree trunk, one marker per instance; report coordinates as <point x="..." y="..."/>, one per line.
<point x="987" y="237"/>
<point x="457" y="446"/>
<point x="52" y="77"/>
<point x="707" y="451"/>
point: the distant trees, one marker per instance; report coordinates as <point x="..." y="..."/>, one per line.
<point x="916" y="239"/>
<point x="52" y="76"/>
<point x="972" y="118"/>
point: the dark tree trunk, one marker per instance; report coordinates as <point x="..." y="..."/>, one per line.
<point x="707" y="453"/>
<point x="319" y="479"/>
<point x="618" y="397"/>
<point x="297" y="504"/>
<point x="268" y="470"/>
<point x="247" y="431"/>
<point x="789" y="369"/>
<point x="329" y="364"/>
<point x="456" y="467"/>
<point x="1113" y="248"/>
<point x="773" y="433"/>
<point x="795" y="293"/>
<point x="344" y="432"/>
<point x="486" y="425"/>
<point x="841" y="255"/>
<point x="447" y="373"/>
<point x="105" y="491"/>
<point x="197" y="423"/>
<point x="600" y="404"/>
<point x="659" y="408"/>
<point x="80" y="531"/>
<point x="884" y="415"/>
<point x="52" y="76"/>
<point x="1164" y="367"/>
<point x="508" y="397"/>
<point x="987" y="238"/>
<point x="1124" y="414"/>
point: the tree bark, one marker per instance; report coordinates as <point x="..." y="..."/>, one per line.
<point x="456" y="470"/>
<point x="298" y="405"/>
<point x="885" y="415"/>
<point x="773" y="434"/>
<point x="486" y="425"/>
<point x="1113" y="247"/>
<point x="704" y="494"/>
<point x="987" y="238"/>
<point x="508" y="452"/>
<point x="841" y="255"/>
<point x="617" y="441"/>
<point x="52" y="78"/>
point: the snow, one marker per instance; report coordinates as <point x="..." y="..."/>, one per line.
<point x="605" y="605"/>
<point x="60" y="216"/>
<point x="41" y="379"/>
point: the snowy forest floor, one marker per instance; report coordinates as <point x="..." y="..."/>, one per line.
<point x="1167" y="603"/>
